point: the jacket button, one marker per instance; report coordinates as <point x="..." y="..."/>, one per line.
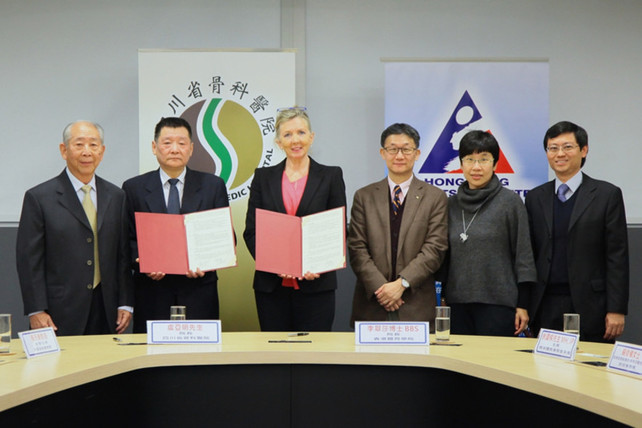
<point x="89" y="262"/>
<point x="89" y="240"/>
<point x="90" y="286"/>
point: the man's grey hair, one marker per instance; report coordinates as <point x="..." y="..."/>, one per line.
<point x="66" y="133"/>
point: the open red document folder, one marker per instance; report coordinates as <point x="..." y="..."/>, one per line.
<point x="294" y="245"/>
<point x="173" y="243"/>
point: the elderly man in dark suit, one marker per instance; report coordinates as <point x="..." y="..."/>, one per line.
<point x="72" y="249"/>
<point x="173" y="189"/>
<point x="398" y="237"/>
<point x="579" y="238"/>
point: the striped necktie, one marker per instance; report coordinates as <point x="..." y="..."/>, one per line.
<point x="396" y="202"/>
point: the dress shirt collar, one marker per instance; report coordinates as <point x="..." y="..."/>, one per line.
<point x="404" y="188"/>
<point x="573" y="183"/>
<point x="77" y="184"/>
<point x="165" y="178"/>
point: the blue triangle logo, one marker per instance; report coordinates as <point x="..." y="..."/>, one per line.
<point x="443" y="151"/>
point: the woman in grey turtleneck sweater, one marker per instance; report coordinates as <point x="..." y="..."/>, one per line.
<point x="491" y="266"/>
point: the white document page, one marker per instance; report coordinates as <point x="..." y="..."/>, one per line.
<point x="210" y="239"/>
<point x="323" y="241"/>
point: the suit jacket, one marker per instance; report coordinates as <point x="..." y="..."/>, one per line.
<point x="202" y="192"/>
<point x="54" y="248"/>
<point x="598" y="260"/>
<point x="324" y="190"/>
<point x="423" y="241"/>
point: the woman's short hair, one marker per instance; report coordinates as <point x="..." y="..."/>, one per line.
<point x="479" y="142"/>
<point x="285" y="114"/>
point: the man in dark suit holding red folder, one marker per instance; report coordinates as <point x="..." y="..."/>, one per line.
<point x="173" y="189"/>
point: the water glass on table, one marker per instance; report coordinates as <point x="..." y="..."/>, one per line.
<point x="177" y="313"/>
<point x="5" y="333"/>
<point x="572" y="323"/>
<point x="442" y="323"/>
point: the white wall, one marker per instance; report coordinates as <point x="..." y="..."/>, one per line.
<point x="64" y="60"/>
<point x="78" y="59"/>
<point x="594" y="49"/>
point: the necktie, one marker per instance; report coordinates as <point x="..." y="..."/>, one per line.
<point x="90" y="211"/>
<point x="173" y="202"/>
<point x="561" y="192"/>
<point x="396" y="202"/>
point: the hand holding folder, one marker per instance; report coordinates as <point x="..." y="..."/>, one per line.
<point x="293" y="245"/>
<point x="176" y="244"/>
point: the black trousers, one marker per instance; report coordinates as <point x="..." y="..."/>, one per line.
<point x="97" y="322"/>
<point x="482" y="319"/>
<point x="153" y="299"/>
<point x="551" y="315"/>
<point x="287" y="309"/>
<point x="551" y="312"/>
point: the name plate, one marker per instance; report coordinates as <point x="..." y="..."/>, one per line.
<point x="391" y="333"/>
<point x="557" y="344"/>
<point x="188" y="331"/>
<point x="626" y="358"/>
<point x="39" y="342"/>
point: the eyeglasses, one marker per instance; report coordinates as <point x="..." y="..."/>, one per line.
<point x="407" y="151"/>
<point x="481" y="162"/>
<point x="297" y="108"/>
<point x="565" y="148"/>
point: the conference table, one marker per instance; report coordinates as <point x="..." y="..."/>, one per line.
<point x="321" y="379"/>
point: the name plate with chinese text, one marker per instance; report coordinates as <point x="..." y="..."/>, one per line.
<point x="39" y="342"/>
<point x="391" y="333"/>
<point x="626" y="358"/>
<point x="183" y="331"/>
<point x="557" y="344"/>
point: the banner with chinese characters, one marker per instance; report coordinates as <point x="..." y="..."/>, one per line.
<point x="444" y="100"/>
<point x="230" y="100"/>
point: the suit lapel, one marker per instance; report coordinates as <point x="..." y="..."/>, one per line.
<point x="192" y="195"/>
<point x="154" y="198"/>
<point x="411" y="204"/>
<point x="381" y="205"/>
<point x="585" y="195"/>
<point x="275" y="190"/>
<point x="312" y="184"/>
<point x="546" y="200"/>
<point x="103" y="197"/>
<point x="68" y="198"/>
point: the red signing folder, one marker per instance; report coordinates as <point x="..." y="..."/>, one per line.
<point x="173" y="244"/>
<point x="294" y="245"/>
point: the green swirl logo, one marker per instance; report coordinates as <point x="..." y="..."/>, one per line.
<point x="227" y="142"/>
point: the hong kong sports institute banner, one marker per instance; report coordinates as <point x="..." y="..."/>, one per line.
<point x="445" y="100"/>
<point x="230" y="100"/>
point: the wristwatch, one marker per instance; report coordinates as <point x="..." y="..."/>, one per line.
<point x="405" y="283"/>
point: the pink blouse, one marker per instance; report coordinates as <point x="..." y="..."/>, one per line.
<point x="292" y="193"/>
